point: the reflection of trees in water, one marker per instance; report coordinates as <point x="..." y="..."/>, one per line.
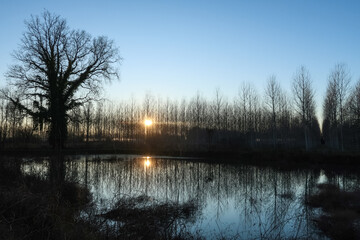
<point x="255" y="201"/>
<point x="266" y="200"/>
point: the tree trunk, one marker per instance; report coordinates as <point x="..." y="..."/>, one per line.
<point x="58" y="126"/>
<point x="306" y="138"/>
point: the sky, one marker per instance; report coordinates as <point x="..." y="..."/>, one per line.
<point x="178" y="48"/>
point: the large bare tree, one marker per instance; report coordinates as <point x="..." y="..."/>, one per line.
<point x="57" y="70"/>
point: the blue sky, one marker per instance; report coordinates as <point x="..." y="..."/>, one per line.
<point x="176" y="48"/>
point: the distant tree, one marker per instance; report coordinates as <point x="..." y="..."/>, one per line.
<point x="244" y="98"/>
<point x="4" y="118"/>
<point x="330" y="112"/>
<point x="182" y="120"/>
<point x="216" y="108"/>
<point x="272" y="96"/>
<point x="148" y="106"/>
<point x="304" y="100"/>
<point x="248" y="105"/>
<point x="336" y="98"/>
<point x="197" y="116"/>
<point x="284" y="117"/>
<point x="88" y="115"/>
<point x="354" y="103"/>
<point x="354" y="112"/>
<point x="63" y="67"/>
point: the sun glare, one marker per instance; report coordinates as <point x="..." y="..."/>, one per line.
<point x="148" y="122"/>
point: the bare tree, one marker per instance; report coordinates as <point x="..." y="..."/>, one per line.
<point x="304" y="100"/>
<point x="272" y="96"/>
<point x="284" y="117"/>
<point x="336" y="97"/>
<point x="248" y="104"/>
<point x="4" y="117"/>
<point x="244" y="98"/>
<point x="217" y="107"/>
<point x="64" y="67"/>
<point x="354" y="112"/>
<point x="354" y="103"/>
<point x="88" y="115"/>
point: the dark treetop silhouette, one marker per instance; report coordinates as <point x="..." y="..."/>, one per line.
<point x="57" y="70"/>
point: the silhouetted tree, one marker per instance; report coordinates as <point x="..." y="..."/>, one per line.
<point x="272" y="95"/>
<point x="354" y="113"/>
<point x="248" y="109"/>
<point x="216" y="108"/>
<point x="4" y="118"/>
<point x="335" y="102"/>
<point x="64" y="67"/>
<point x="304" y="100"/>
<point x="88" y="115"/>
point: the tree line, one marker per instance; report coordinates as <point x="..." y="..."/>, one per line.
<point x="249" y="120"/>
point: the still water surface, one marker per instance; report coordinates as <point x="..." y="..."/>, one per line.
<point x="236" y="201"/>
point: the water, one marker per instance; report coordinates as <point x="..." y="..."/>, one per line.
<point x="236" y="201"/>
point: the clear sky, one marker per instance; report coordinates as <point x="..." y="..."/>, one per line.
<point x="176" y="48"/>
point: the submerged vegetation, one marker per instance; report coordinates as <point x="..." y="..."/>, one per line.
<point x="145" y="218"/>
<point x="340" y="216"/>
<point x="159" y="198"/>
<point x="32" y="207"/>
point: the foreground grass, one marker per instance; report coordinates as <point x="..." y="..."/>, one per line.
<point x="340" y="216"/>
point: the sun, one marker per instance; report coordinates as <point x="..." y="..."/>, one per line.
<point x="148" y="122"/>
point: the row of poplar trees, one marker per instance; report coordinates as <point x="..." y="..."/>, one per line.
<point x="247" y="121"/>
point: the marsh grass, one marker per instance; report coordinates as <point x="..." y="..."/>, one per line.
<point x="341" y="211"/>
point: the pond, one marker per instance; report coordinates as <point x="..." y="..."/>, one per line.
<point x="234" y="201"/>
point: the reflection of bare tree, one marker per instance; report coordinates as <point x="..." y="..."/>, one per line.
<point x="57" y="171"/>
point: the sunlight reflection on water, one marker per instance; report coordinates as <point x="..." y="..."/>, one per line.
<point x="147" y="162"/>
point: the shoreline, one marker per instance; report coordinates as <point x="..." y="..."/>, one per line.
<point x="280" y="158"/>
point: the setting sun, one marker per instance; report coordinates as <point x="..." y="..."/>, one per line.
<point x="147" y="163"/>
<point x="148" y="122"/>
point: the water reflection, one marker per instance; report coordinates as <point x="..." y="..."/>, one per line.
<point x="147" y="162"/>
<point x="238" y="201"/>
